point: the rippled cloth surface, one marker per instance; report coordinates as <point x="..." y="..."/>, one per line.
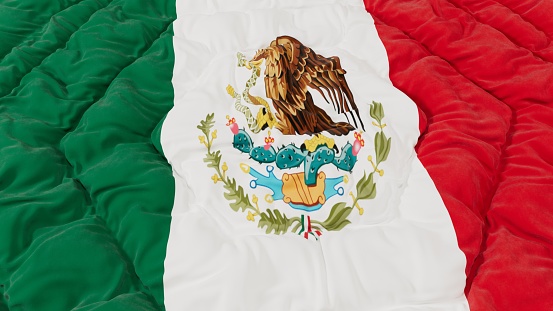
<point x="395" y="251"/>
<point x="481" y="73"/>
<point x="85" y="197"/>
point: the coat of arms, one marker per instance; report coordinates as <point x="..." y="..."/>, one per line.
<point x="297" y="175"/>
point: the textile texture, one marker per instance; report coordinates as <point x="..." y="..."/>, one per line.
<point x="86" y="192"/>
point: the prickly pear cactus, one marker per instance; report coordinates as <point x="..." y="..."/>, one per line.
<point x="313" y="162"/>
<point x="289" y="157"/>
<point x="346" y="161"/>
<point x="242" y="141"/>
<point x="261" y="155"/>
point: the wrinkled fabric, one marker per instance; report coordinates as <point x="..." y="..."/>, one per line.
<point x="84" y="195"/>
<point x="397" y="251"/>
<point x="481" y="73"/>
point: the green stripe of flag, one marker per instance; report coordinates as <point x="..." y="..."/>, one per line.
<point x="85" y="197"/>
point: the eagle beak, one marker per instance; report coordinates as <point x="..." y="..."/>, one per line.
<point x="255" y="63"/>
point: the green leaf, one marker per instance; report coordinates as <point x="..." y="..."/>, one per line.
<point x="381" y="146"/>
<point x="206" y="125"/>
<point x="337" y="218"/>
<point x="213" y="159"/>
<point x="378" y="145"/>
<point x="366" y="188"/>
<point x="386" y="150"/>
<point x="336" y="208"/>
<point x="340" y="225"/>
<point x="236" y="193"/>
<point x="274" y="221"/>
<point x="297" y="226"/>
<point x="377" y="112"/>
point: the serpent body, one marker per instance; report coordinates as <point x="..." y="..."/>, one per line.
<point x="252" y="121"/>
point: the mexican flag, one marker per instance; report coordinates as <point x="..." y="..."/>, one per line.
<point x="85" y="196"/>
<point x="213" y="155"/>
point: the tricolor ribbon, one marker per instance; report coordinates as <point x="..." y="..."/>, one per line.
<point x="306" y="223"/>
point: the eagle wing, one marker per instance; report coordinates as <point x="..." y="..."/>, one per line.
<point x="327" y="77"/>
<point x="293" y="67"/>
<point x="283" y="82"/>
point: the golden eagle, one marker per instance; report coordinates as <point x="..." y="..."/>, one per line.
<point x="290" y="68"/>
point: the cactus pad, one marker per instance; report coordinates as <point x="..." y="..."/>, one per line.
<point x="289" y="157"/>
<point x="261" y="155"/>
<point x="313" y="162"/>
<point x="242" y="141"/>
<point x="346" y="161"/>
